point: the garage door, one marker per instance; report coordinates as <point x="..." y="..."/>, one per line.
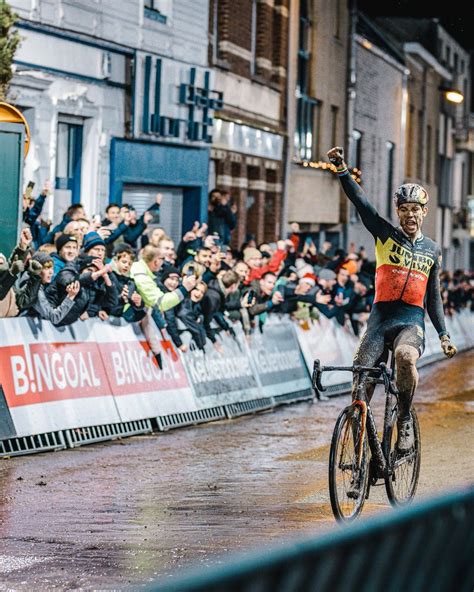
<point x="171" y="211"/>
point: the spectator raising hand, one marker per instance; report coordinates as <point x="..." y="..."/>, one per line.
<point x="123" y="265"/>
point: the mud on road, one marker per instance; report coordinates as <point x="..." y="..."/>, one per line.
<point x="115" y="515"/>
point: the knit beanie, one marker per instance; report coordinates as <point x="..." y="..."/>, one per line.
<point x="42" y="257"/>
<point x="92" y="239"/>
<point x="169" y="271"/>
<point x="63" y="239"/>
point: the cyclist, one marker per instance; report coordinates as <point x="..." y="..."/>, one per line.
<point x="406" y="281"/>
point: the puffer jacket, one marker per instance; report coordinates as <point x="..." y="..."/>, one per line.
<point x="56" y="292"/>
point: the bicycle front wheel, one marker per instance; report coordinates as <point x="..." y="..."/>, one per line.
<point x="402" y="483"/>
<point x="348" y="466"/>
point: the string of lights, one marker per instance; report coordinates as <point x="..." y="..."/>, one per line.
<point x="328" y="166"/>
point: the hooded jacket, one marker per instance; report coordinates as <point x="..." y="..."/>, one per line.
<point x="56" y="292"/>
<point x="127" y="310"/>
<point x="152" y="295"/>
<point x="213" y="307"/>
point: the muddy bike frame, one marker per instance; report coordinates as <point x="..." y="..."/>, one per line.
<point x="381" y="374"/>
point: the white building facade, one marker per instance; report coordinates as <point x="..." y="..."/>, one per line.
<point x="119" y="100"/>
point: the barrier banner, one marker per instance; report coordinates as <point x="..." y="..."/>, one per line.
<point x="140" y="388"/>
<point x="277" y="359"/>
<point x="53" y="378"/>
<point x="222" y="378"/>
<point x="95" y="373"/>
<point x="457" y="331"/>
<point x="320" y="340"/>
<point x="466" y="320"/>
<point x="7" y="428"/>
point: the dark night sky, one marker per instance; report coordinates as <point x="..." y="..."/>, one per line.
<point x="459" y="21"/>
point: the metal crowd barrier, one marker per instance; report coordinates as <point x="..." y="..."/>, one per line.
<point x="425" y="547"/>
<point x="93" y="381"/>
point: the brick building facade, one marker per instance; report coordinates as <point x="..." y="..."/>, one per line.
<point x="106" y="87"/>
<point x="319" y="34"/>
<point x="248" y="50"/>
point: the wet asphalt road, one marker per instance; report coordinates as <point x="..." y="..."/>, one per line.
<point x="116" y="515"/>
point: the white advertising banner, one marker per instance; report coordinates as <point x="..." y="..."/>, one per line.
<point x="53" y="378"/>
<point x="277" y="359"/>
<point x="321" y="341"/>
<point x="222" y="378"/>
<point x="140" y="388"/>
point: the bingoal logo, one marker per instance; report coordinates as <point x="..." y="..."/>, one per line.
<point x="44" y="372"/>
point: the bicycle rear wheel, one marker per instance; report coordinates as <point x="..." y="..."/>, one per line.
<point x="346" y="474"/>
<point x="402" y="483"/>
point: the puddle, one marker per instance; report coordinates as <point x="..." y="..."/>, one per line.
<point x="467" y="396"/>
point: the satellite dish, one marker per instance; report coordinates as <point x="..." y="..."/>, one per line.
<point x="10" y="114"/>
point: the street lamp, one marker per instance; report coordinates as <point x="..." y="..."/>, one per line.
<point x="453" y="95"/>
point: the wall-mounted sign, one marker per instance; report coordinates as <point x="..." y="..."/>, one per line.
<point x="246" y="139"/>
<point x="200" y="101"/>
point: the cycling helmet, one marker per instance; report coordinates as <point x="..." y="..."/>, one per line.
<point x="411" y="193"/>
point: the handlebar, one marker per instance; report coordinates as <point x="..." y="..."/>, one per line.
<point x="382" y="369"/>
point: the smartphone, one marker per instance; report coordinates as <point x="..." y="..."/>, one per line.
<point x="29" y="189"/>
<point x="190" y="270"/>
<point x="250" y="296"/>
<point x="131" y="289"/>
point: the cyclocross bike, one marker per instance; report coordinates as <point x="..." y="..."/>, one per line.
<point x="358" y="459"/>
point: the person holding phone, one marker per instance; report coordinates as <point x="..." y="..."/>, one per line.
<point x="130" y="304"/>
<point x="31" y="296"/>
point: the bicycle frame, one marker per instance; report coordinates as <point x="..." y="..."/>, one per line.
<point x="380" y="450"/>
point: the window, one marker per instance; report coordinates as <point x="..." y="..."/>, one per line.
<point x="307" y="107"/>
<point x="157" y="10"/>
<point x="253" y="39"/>
<point x="355" y="160"/>
<point x="419" y="146"/>
<point x="215" y="31"/>
<point x="304" y="48"/>
<point x="390" y="146"/>
<point x="337" y="30"/>
<point x="410" y="141"/>
<point x="334" y="112"/>
<point x="429" y="148"/>
<point x="356" y="156"/>
<point x="444" y="181"/>
<point x="448" y="55"/>
<point x="307" y="122"/>
<point x="68" y="159"/>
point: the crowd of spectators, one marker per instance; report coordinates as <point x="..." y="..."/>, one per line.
<point x="126" y="266"/>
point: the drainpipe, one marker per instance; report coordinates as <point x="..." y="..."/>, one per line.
<point x="350" y="101"/>
<point x="403" y="127"/>
<point x="290" y="119"/>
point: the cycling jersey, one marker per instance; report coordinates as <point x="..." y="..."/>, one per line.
<point x="407" y="273"/>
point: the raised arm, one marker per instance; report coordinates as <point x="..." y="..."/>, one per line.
<point x="354" y="192"/>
